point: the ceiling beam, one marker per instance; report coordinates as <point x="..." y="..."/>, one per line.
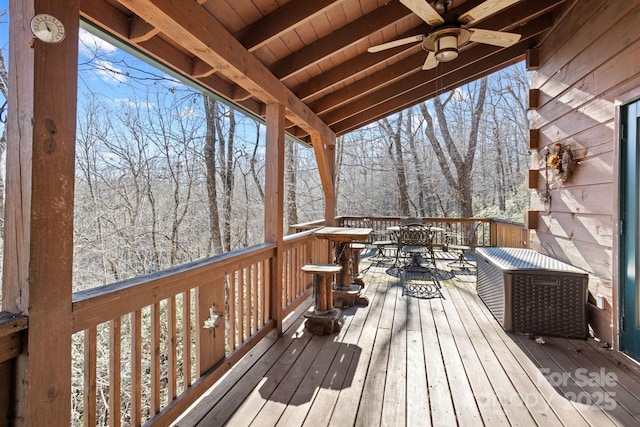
<point x="139" y="30"/>
<point x="351" y="33"/>
<point x="113" y="21"/>
<point x="283" y="19"/>
<point x="445" y="81"/>
<point x="195" y="30"/>
<point x="354" y="66"/>
<point x="361" y="63"/>
<point x="433" y="87"/>
<point x="518" y="15"/>
<point x="413" y="64"/>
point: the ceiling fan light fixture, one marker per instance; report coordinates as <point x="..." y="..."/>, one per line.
<point x="446" y="48"/>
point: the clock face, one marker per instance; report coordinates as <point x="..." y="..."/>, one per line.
<point x="47" y="28"/>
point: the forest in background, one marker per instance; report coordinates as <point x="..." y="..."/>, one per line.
<point x="167" y="174"/>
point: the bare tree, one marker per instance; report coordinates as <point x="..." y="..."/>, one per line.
<point x="211" y="112"/>
<point x="461" y="154"/>
<point x="290" y="172"/>
<point x="395" y="152"/>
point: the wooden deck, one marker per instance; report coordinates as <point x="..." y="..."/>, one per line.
<point x="411" y="361"/>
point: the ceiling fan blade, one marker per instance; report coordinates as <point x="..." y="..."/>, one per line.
<point x="424" y="10"/>
<point x="495" y="38"/>
<point x="395" y="43"/>
<point x="431" y="62"/>
<point x="485" y="9"/>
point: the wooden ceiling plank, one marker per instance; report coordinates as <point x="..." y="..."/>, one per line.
<point x="517" y="16"/>
<point x="292" y="14"/>
<point x="366" y="61"/>
<point x="420" y="80"/>
<point x="401" y="103"/>
<point x="410" y="65"/>
<point x="364" y="86"/>
<point x="357" y="30"/>
<point x="350" y="68"/>
<point x="463" y="75"/>
<point x="201" y="34"/>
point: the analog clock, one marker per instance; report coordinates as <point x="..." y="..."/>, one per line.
<point x="47" y="28"/>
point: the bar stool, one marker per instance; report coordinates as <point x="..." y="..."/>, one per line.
<point x="323" y="318"/>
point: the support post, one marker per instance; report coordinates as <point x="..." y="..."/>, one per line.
<point x="38" y="246"/>
<point x="330" y="196"/>
<point x="274" y="204"/>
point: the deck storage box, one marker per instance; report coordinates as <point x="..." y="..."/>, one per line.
<point x="530" y="292"/>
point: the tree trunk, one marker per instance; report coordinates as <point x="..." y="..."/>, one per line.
<point x="210" y="160"/>
<point x="290" y="168"/>
<point x="395" y="151"/>
<point x="461" y="184"/>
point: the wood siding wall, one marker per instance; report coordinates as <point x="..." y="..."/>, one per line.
<point x="588" y="67"/>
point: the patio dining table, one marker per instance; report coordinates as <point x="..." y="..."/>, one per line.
<point x="429" y="243"/>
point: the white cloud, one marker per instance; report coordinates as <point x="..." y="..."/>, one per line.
<point x="132" y="103"/>
<point x="109" y="72"/>
<point x="91" y="45"/>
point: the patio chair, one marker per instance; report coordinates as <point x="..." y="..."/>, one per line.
<point x="383" y="240"/>
<point x="414" y="240"/>
<point x="467" y="243"/>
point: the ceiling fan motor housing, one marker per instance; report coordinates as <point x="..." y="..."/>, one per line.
<point x="445" y="42"/>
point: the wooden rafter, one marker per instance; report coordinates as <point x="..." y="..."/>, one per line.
<point x="408" y="98"/>
<point x="203" y="36"/>
<point x="475" y="57"/>
<point x="193" y="41"/>
<point x="382" y="17"/>
<point x="519" y="18"/>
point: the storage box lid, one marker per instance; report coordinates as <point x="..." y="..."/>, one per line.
<point x="525" y="259"/>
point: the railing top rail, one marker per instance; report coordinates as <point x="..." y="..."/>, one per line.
<point x="89" y="306"/>
<point x="11" y="323"/>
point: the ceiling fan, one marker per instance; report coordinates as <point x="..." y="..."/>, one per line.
<point x="448" y="35"/>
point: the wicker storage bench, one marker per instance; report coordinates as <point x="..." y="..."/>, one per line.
<point x="530" y="292"/>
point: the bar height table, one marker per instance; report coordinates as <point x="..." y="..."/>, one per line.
<point x="345" y="293"/>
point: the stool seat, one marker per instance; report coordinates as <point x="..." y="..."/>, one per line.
<point x="358" y="245"/>
<point x="314" y="268"/>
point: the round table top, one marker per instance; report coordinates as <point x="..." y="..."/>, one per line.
<point x="397" y="228"/>
<point x="343" y="234"/>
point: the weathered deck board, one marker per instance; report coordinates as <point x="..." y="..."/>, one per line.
<point x="406" y="361"/>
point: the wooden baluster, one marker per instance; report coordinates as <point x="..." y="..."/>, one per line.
<point x="171" y="349"/>
<point x="232" y="315"/>
<point x="155" y="359"/>
<point x="90" y="349"/>
<point x="241" y="306"/>
<point x="136" y="368"/>
<point x="247" y="292"/>
<point x="115" y="373"/>
<point x="186" y="338"/>
<point x="255" y="296"/>
<point x="264" y="288"/>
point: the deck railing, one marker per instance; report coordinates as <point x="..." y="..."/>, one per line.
<point x="202" y="318"/>
<point x="490" y="232"/>
<point x="145" y="349"/>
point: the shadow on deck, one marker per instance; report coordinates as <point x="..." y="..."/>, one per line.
<point x="422" y="360"/>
